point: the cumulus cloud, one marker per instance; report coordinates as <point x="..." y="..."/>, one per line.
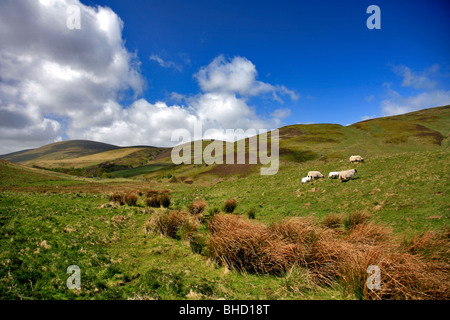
<point x="58" y="83"/>
<point x="218" y="108"/>
<point x="238" y="76"/>
<point x="418" y="80"/>
<point x="399" y="105"/>
<point x="424" y="87"/>
<point x="52" y="76"/>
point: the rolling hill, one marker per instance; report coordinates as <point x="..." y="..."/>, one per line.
<point x="396" y="207"/>
<point x="83" y="154"/>
<point x="422" y="130"/>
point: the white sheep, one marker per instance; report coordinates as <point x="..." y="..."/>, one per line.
<point x="315" y="174"/>
<point x="306" y="179"/>
<point x="356" y="159"/>
<point x="333" y="174"/>
<point x="347" y="175"/>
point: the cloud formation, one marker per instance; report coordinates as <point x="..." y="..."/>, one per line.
<point x="423" y="84"/>
<point x="398" y="104"/>
<point x="238" y="76"/>
<point x="59" y="83"/>
<point x="53" y="77"/>
<point x="415" y="79"/>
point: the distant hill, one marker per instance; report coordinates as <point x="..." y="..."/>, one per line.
<point x="83" y="154"/>
<point x="60" y="150"/>
<point x="422" y="130"/>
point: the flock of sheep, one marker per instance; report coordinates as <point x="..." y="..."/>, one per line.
<point x="343" y="175"/>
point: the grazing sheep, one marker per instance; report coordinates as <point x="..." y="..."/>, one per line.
<point x="333" y="174"/>
<point x="347" y="175"/>
<point x="306" y="179"/>
<point x="315" y="174"/>
<point x="356" y="159"/>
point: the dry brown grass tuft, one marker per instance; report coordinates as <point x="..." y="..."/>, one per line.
<point x="417" y="270"/>
<point x="173" y="224"/>
<point x="332" y="221"/>
<point x="355" y="218"/>
<point x="230" y="205"/>
<point x="164" y="200"/>
<point x="432" y="244"/>
<point x="249" y="246"/>
<point x="153" y="201"/>
<point x="131" y="199"/>
<point x="117" y="197"/>
<point x="197" y="206"/>
<point x="369" y="233"/>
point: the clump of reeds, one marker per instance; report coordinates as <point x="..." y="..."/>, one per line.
<point x="417" y="269"/>
<point x="230" y="205"/>
<point x="131" y="199"/>
<point x="197" y="207"/>
<point x="249" y="246"/>
<point x="117" y="197"/>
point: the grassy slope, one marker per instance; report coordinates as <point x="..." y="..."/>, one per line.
<point x="60" y="150"/>
<point x="83" y="154"/>
<point x="85" y="161"/>
<point x="414" y="132"/>
<point x="403" y="185"/>
<point x="15" y="175"/>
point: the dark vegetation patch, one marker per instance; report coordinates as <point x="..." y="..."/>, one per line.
<point x="423" y="131"/>
<point x="297" y="155"/>
<point x="396" y="131"/>
<point x="222" y="170"/>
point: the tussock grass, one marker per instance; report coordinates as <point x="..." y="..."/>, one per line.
<point x="175" y="224"/>
<point x="230" y="205"/>
<point x="331" y="256"/>
<point x="332" y="221"/>
<point x="164" y="200"/>
<point x="156" y="199"/>
<point x="354" y="219"/>
<point x="249" y="246"/>
<point x="117" y="197"/>
<point x="131" y="199"/>
<point x="197" y="206"/>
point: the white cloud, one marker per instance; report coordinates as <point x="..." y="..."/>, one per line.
<point x="56" y="82"/>
<point x="400" y="105"/>
<point x="52" y="76"/>
<point x="238" y="76"/>
<point x="415" y="79"/>
<point x="396" y="103"/>
<point x="368" y="117"/>
<point x="219" y="107"/>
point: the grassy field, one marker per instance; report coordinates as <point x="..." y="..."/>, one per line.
<point x="296" y="241"/>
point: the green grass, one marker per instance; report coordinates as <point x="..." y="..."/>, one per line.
<point x="403" y="184"/>
<point x="117" y="259"/>
<point x="12" y="175"/>
<point x="140" y="170"/>
<point x="401" y="190"/>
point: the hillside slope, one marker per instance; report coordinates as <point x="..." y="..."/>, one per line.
<point x="424" y="130"/>
<point x="83" y="154"/>
<point x="60" y="150"/>
<point x="12" y="174"/>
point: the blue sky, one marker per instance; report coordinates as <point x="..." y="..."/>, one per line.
<point x="321" y="49"/>
<point x="133" y="72"/>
